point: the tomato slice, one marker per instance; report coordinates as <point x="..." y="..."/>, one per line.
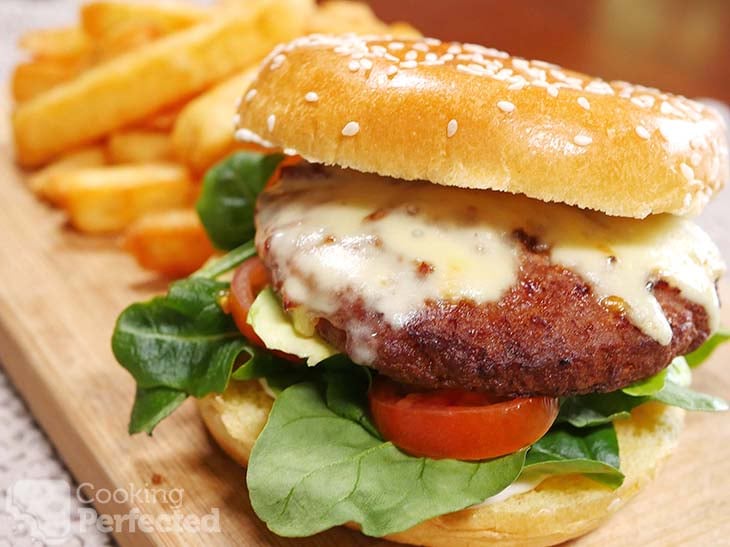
<point x="249" y="279"/>
<point x="452" y="423"/>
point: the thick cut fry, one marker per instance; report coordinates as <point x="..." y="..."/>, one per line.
<point x="132" y="86"/>
<point x="99" y="19"/>
<point x="136" y="146"/>
<point x="164" y="120"/>
<point x="172" y="243"/>
<point x="44" y="182"/>
<point x="203" y="133"/>
<point x="35" y="77"/>
<point x="123" y="39"/>
<point x="338" y="16"/>
<point x="56" y="43"/>
<point x="108" y="199"/>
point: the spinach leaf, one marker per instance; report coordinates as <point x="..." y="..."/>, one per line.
<point x="278" y="373"/>
<point x="676" y="395"/>
<point x="701" y="354"/>
<point x="648" y="386"/>
<point x="228" y="198"/>
<point x="670" y="386"/>
<point x="597" y="408"/>
<point x="312" y="469"/>
<point x="151" y="406"/>
<point x="183" y="340"/>
<point x="227" y="262"/>
<point x="593" y="452"/>
<point x="347" y="385"/>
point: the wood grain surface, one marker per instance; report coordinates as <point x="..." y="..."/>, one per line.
<point x="59" y="295"/>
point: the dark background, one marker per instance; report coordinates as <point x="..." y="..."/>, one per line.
<point x="681" y="46"/>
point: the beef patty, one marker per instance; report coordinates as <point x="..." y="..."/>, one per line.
<point x="547" y="336"/>
<point x="548" y="333"/>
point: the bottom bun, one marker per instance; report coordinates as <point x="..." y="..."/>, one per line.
<point x="558" y="509"/>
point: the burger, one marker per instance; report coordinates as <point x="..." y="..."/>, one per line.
<point x="473" y="299"/>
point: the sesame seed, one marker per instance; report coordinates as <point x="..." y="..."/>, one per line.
<point x="277" y="61"/>
<point x="696" y="142"/>
<point x="582" y="140"/>
<point x="431" y="57"/>
<point x="451" y="128"/>
<point x="552" y="91"/>
<point x="583" y="102"/>
<point x="695" y="159"/>
<point x="454" y="49"/>
<point x="420" y="47"/>
<point x="666" y="108"/>
<point x="687" y="171"/>
<point x="409" y="64"/>
<point x="354" y="66"/>
<point x="250" y="95"/>
<point x="311" y="97"/>
<point x="643" y="132"/>
<point x="367" y="64"/>
<point x="351" y="129"/>
<point x="505" y="106"/>
<point x="270" y="122"/>
<point x="391" y="70"/>
<point x="395" y="46"/>
<point x="517" y="85"/>
<point x="412" y="55"/>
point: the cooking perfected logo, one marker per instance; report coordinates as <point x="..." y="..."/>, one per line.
<point x="41" y="509"/>
<point x="45" y="510"/>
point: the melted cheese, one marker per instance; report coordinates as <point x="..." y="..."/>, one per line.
<point x="398" y="244"/>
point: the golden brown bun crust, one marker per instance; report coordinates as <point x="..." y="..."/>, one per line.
<point x="559" y="509"/>
<point x="464" y="115"/>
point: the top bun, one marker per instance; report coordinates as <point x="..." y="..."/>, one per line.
<point x="470" y="116"/>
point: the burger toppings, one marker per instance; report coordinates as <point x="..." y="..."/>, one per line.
<point x="344" y="443"/>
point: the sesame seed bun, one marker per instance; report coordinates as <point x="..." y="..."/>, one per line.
<point x="560" y="508"/>
<point x="465" y="115"/>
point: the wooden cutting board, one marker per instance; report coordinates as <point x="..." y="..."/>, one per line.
<point x="59" y="295"/>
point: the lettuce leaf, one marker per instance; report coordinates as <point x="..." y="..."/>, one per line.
<point x="227" y="201"/>
<point x="701" y="354"/>
<point x="276" y="329"/>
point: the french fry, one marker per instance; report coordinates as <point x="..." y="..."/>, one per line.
<point x="164" y="120"/>
<point x="124" y="39"/>
<point x="135" y="146"/>
<point x="56" y="43"/>
<point x="338" y="16"/>
<point x="126" y="89"/>
<point x="203" y="133"/>
<point x="100" y="19"/>
<point x="172" y="243"/>
<point x="35" y="77"/>
<point x="108" y="199"/>
<point x="45" y="182"/>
